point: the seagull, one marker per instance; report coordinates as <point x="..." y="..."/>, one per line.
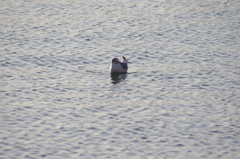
<point x="119" y="67"/>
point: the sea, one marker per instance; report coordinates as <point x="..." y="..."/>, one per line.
<point x="180" y="98"/>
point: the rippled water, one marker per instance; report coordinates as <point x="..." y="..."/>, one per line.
<point x="180" y="98"/>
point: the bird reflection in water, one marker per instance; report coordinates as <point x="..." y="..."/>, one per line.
<point x="118" y="77"/>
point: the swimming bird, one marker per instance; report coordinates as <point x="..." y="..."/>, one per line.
<point x="119" y="66"/>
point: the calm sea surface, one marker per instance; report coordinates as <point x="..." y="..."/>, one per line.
<point x="180" y="98"/>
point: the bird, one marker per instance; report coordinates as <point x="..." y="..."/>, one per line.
<point x="119" y="66"/>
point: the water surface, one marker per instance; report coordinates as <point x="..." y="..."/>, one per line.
<point x="180" y="98"/>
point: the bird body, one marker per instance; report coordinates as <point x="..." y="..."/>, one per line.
<point x="119" y="66"/>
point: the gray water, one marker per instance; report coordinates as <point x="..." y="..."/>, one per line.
<point x="179" y="99"/>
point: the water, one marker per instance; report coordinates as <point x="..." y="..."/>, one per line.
<point x="180" y="98"/>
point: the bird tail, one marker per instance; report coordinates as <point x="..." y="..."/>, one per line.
<point x="125" y="60"/>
